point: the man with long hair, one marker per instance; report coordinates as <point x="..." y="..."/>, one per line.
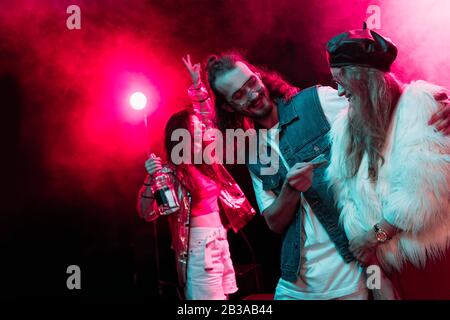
<point x="316" y="262"/>
<point x="389" y="168"/>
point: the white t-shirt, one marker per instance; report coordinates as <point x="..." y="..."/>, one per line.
<point x="324" y="274"/>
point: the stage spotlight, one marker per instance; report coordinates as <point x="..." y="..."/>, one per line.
<point x="138" y="100"/>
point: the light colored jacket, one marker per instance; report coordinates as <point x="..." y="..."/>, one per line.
<point x="236" y="211"/>
<point x="412" y="190"/>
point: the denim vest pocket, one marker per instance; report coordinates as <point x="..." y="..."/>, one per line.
<point x="312" y="149"/>
<point x="272" y="182"/>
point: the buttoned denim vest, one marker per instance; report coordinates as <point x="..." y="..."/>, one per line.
<point x="303" y="136"/>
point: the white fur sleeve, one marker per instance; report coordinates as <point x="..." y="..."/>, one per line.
<point x="335" y="172"/>
<point x="420" y="165"/>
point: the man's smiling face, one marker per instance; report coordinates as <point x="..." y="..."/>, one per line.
<point x="245" y="92"/>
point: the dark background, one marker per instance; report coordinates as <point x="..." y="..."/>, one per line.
<point x="72" y="159"/>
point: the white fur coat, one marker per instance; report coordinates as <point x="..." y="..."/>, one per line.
<point x="412" y="191"/>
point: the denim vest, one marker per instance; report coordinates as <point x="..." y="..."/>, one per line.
<point x="303" y="136"/>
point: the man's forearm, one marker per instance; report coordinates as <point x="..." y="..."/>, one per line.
<point x="281" y="212"/>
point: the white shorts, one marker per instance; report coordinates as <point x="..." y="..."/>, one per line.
<point x="361" y="294"/>
<point x="210" y="272"/>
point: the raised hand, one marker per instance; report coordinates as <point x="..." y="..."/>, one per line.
<point x="153" y="164"/>
<point x="194" y="70"/>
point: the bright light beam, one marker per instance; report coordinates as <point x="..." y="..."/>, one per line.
<point x="138" y="100"/>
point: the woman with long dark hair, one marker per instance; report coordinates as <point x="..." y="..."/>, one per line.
<point x="210" y="203"/>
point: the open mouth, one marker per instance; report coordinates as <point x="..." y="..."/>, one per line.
<point x="258" y="102"/>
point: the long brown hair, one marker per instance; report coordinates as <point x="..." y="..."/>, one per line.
<point x="218" y="65"/>
<point x="179" y="120"/>
<point x="182" y="120"/>
<point x="375" y="95"/>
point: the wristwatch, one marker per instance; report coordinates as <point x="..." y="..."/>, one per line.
<point x="380" y="234"/>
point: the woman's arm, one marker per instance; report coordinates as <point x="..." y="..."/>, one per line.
<point x="146" y="204"/>
<point x="203" y="112"/>
<point x="420" y="164"/>
<point x="201" y="101"/>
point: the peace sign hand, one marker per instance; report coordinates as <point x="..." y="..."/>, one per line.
<point x="194" y="70"/>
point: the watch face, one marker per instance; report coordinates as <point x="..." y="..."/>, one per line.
<point x="381" y="236"/>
